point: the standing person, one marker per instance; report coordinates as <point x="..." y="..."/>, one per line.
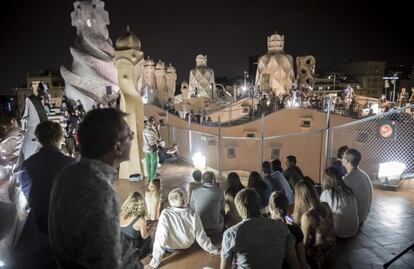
<point x="79" y="107"/>
<point x="341" y="200"/>
<point x="316" y="222"/>
<point x="40" y="172"/>
<point x="233" y="187"/>
<point x="150" y="149"/>
<point x="42" y="169"/>
<point x="34" y="113"/>
<point x="256" y="242"/>
<point x="153" y="199"/>
<point x="209" y="121"/>
<point x="208" y="202"/>
<point x="337" y="164"/>
<point x="359" y="182"/>
<point x="84" y="212"/>
<point x="71" y="129"/>
<point x="403" y="97"/>
<point x="134" y="225"/>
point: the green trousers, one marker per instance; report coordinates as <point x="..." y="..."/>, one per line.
<point x="151" y="163"/>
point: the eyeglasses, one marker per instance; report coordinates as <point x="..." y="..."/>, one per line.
<point x="130" y="135"/>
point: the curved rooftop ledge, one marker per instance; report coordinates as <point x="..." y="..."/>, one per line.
<point x="279" y="123"/>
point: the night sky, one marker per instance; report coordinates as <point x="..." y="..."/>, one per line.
<point x="36" y="35"/>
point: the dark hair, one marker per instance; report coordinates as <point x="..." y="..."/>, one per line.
<point x="341" y="151"/>
<point x="156" y="182"/>
<point x="99" y="131"/>
<point x="233" y="184"/>
<point x="277" y="165"/>
<point x="259" y="185"/>
<point x="291" y="159"/>
<point x="197" y="174"/>
<point x="256" y="181"/>
<point x="48" y="132"/>
<point x="266" y="167"/>
<point x="333" y="182"/>
<point x="208" y="177"/>
<point x="353" y="156"/>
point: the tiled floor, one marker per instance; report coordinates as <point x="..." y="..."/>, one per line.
<point x="388" y="230"/>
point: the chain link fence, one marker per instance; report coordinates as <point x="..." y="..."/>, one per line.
<point x="307" y="147"/>
<point x="227" y="153"/>
<point x="386" y="137"/>
<point x="380" y="138"/>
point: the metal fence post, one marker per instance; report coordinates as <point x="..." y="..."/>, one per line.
<point x="168" y="129"/>
<point x="261" y="151"/>
<point x="219" y="147"/>
<point x="189" y="137"/>
<point x="327" y="133"/>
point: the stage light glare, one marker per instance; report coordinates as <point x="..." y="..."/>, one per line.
<point x="391" y="170"/>
<point x="375" y="108"/>
<point x="199" y="161"/>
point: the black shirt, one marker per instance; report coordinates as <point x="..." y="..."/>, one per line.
<point x="162" y="154"/>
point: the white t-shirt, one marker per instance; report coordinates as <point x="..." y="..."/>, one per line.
<point x="345" y="214"/>
<point x="361" y="184"/>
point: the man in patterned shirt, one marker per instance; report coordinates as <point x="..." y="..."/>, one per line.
<point x="84" y="215"/>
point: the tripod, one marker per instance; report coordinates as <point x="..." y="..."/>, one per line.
<point x="386" y="265"/>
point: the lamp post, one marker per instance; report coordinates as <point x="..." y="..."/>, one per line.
<point x="245" y="76"/>
<point x="393" y="79"/>
<point x="333" y="76"/>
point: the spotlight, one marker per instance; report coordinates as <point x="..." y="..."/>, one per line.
<point x="199" y="161"/>
<point x="391" y="170"/>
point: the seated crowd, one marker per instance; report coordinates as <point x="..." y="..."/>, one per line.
<point x="275" y="221"/>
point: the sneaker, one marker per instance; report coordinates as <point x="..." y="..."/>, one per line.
<point x="135" y="178"/>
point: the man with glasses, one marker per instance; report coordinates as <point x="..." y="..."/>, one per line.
<point x="84" y="214"/>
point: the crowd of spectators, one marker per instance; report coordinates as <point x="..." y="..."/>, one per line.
<point x="278" y="217"/>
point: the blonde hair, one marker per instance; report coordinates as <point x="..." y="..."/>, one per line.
<point x="279" y="204"/>
<point x="176" y="198"/>
<point x="306" y="198"/>
<point x="134" y="205"/>
<point x="247" y="203"/>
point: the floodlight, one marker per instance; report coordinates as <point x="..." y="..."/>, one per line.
<point x="391" y="170"/>
<point x="199" y="161"/>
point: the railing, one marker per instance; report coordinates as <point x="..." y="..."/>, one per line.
<point x="387" y="137"/>
<point x="313" y="149"/>
<point x="230" y="153"/>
